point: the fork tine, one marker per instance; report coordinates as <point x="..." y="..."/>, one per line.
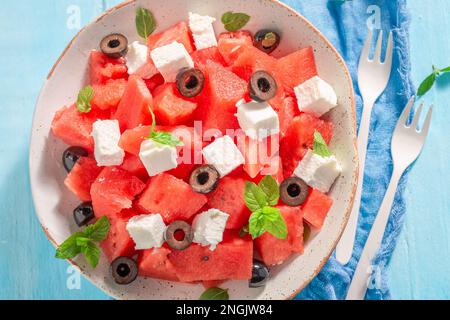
<point x="404" y="116"/>
<point x="389" y="50"/>
<point x="377" y="54"/>
<point x="366" y="49"/>
<point x="415" y="121"/>
<point x="426" y="124"/>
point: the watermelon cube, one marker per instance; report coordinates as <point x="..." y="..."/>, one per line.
<point x="133" y="109"/>
<point x="231" y="260"/>
<point x="171" y="197"/>
<point x="229" y="44"/>
<point x="113" y="191"/>
<point x="200" y="57"/>
<point x="154" y="263"/>
<point x="118" y="243"/>
<point x="179" y="33"/>
<point x="316" y="208"/>
<point x="170" y="109"/>
<point x="229" y="198"/>
<point x="108" y="95"/>
<point x="81" y="177"/>
<point x="102" y="68"/>
<point x="134" y="165"/>
<point x="286" y="113"/>
<point x="274" y="251"/>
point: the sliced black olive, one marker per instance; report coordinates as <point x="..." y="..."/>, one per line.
<point x="190" y="82"/>
<point x="83" y="214"/>
<point x="266" y="40"/>
<point x="179" y="235"/>
<point x="204" y="179"/>
<point x="293" y="191"/>
<point x="260" y="274"/>
<point x="124" y="270"/>
<point x="71" y="156"/>
<point x="115" y="45"/>
<point x="262" y="86"/>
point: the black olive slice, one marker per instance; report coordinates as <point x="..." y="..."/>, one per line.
<point x="83" y="214"/>
<point x="71" y="155"/>
<point x="115" y="45"/>
<point x="266" y="40"/>
<point x="190" y="82"/>
<point x="124" y="270"/>
<point x="293" y="191"/>
<point x="179" y="235"/>
<point x="260" y="275"/>
<point x="262" y="86"/>
<point x="204" y="179"/>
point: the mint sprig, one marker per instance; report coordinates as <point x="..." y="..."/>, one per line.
<point x="320" y="146"/>
<point x="162" y="137"/>
<point x="215" y="294"/>
<point x="429" y="81"/>
<point x="233" y="21"/>
<point x="85" y="242"/>
<point x="145" y="22"/>
<point x="84" y="99"/>
<point x="260" y="199"/>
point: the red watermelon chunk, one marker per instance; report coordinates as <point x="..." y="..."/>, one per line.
<point x="299" y="138"/>
<point x="103" y="68"/>
<point x="118" y="243"/>
<point x="200" y="57"/>
<point x="231" y="260"/>
<point x="154" y="263"/>
<point x="296" y="68"/>
<point x="108" y="95"/>
<point x="113" y="191"/>
<point x="274" y="251"/>
<point x="212" y="283"/>
<point x="170" y="109"/>
<point x="133" y="109"/>
<point x="316" y="208"/>
<point x="230" y="43"/>
<point x="287" y="111"/>
<point x="171" y="197"/>
<point x="133" y="165"/>
<point x="179" y="32"/>
<point x="229" y="198"/>
<point x="81" y="177"/>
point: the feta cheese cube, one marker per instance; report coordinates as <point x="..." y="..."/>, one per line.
<point x="224" y="155"/>
<point x="170" y="59"/>
<point x="315" y="96"/>
<point x="257" y="119"/>
<point x="157" y="157"/>
<point x="136" y="56"/>
<point x="147" y="231"/>
<point x="317" y="171"/>
<point x="209" y="227"/>
<point x="202" y="31"/>
<point x="106" y="135"/>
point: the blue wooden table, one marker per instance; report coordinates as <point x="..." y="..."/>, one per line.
<point x="34" y="35"/>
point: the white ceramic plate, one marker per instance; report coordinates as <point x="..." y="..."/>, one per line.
<point x="54" y="203"/>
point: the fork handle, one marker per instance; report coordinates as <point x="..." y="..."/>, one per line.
<point x="363" y="272"/>
<point x="344" y="248"/>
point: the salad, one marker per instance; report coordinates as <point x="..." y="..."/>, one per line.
<point x="197" y="158"/>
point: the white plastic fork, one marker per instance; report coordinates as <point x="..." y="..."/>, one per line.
<point x="373" y="77"/>
<point x="407" y="143"/>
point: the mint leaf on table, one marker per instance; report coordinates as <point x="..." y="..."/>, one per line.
<point x="145" y="22"/>
<point x="429" y="81"/>
<point x="215" y="294"/>
<point x="320" y="146"/>
<point x="234" y="21"/>
<point x="84" y="99"/>
<point x="162" y="137"/>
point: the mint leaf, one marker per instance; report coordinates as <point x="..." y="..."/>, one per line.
<point x="162" y="137"/>
<point x="270" y="220"/>
<point x="99" y="230"/>
<point x="84" y="99"/>
<point x="269" y="186"/>
<point x="320" y="146"/>
<point x="233" y="21"/>
<point x="215" y="294"/>
<point x="426" y="84"/>
<point x="69" y="248"/>
<point x="256" y="224"/>
<point x="254" y="197"/>
<point x="91" y="253"/>
<point x="145" y="23"/>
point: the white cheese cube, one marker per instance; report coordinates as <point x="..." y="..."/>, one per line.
<point x="170" y="59"/>
<point x="317" y="171"/>
<point x="257" y="119"/>
<point x="315" y="96"/>
<point x="136" y="56"/>
<point x="157" y="157"/>
<point x="106" y="135"/>
<point x="202" y="31"/>
<point x="209" y="227"/>
<point x="224" y="155"/>
<point x="147" y="231"/>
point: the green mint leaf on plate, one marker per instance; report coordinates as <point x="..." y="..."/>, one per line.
<point x="429" y="81"/>
<point x="320" y="146"/>
<point x="254" y="197"/>
<point x="270" y="220"/>
<point x="269" y="186"/>
<point x="99" y="230"/>
<point x="69" y="249"/>
<point x="233" y="21"/>
<point x="162" y="137"/>
<point x="145" y="23"/>
<point x="91" y="253"/>
<point x="84" y="99"/>
<point x="215" y="294"/>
